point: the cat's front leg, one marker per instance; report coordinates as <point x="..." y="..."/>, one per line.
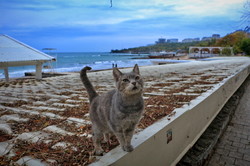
<point x="121" y="138"/>
<point x="128" y="134"/>
<point x="97" y="143"/>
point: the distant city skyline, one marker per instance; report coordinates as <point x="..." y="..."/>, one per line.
<point x="79" y="25"/>
<point x="186" y="40"/>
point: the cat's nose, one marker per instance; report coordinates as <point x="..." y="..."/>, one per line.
<point x="134" y="83"/>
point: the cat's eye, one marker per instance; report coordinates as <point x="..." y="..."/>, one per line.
<point x="137" y="78"/>
<point x="125" y="80"/>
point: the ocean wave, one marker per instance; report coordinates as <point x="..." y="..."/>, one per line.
<point x="96" y="55"/>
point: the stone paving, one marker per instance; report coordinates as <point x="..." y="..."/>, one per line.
<point x="49" y="111"/>
<point x="233" y="147"/>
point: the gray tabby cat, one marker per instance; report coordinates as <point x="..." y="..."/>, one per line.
<point x="118" y="111"/>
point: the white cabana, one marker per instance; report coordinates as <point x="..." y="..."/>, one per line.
<point x="16" y="53"/>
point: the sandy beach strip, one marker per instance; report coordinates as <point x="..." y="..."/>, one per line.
<point x="55" y="109"/>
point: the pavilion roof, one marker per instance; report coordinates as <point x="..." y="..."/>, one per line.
<point x="13" y="51"/>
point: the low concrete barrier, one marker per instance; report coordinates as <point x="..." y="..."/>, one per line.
<point x="166" y="141"/>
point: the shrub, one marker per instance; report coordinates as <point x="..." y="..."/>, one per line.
<point x="245" y="46"/>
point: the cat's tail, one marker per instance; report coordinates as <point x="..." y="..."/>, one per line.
<point x="89" y="87"/>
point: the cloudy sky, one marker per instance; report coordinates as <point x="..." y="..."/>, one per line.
<point x="92" y="25"/>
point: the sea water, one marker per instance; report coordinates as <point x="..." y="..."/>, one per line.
<point x="75" y="61"/>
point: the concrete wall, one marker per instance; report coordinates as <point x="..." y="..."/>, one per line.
<point x="154" y="145"/>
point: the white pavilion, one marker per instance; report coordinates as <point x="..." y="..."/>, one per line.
<point x="15" y="53"/>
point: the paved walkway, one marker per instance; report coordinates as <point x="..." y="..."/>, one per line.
<point x="234" y="146"/>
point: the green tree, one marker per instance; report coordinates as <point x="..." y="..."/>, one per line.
<point x="237" y="49"/>
<point x="245" y="46"/>
<point x="226" y="51"/>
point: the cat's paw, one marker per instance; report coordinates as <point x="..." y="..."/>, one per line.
<point x="128" y="148"/>
<point x="99" y="152"/>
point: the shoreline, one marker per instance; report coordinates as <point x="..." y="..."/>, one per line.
<point x="54" y="73"/>
<point x="161" y="62"/>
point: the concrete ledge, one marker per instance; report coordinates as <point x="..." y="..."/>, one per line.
<point x="166" y="141"/>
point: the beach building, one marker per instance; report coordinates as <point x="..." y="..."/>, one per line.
<point x="172" y="40"/>
<point x="216" y="36"/>
<point x="15" y="53"/>
<point x="188" y="40"/>
<point x="161" y="41"/>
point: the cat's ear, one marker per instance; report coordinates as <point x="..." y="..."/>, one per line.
<point x="136" y="69"/>
<point x="116" y="73"/>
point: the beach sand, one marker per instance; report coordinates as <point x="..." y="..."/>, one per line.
<point x="48" y="120"/>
